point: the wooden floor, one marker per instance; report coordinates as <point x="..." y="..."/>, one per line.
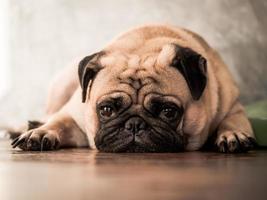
<point x="84" y="174"/>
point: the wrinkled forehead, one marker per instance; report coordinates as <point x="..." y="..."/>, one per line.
<point x="141" y="58"/>
<point x="138" y="75"/>
<point x="125" y="61"/>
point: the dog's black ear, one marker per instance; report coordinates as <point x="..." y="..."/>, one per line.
<point x="194" y="69"/>
<point x="87" y="70"/>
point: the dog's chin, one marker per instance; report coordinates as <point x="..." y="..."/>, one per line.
<point x="137" y="148"/>
<point x="127" y="143"/>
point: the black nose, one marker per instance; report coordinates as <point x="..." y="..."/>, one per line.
<point x="135" y="124"/>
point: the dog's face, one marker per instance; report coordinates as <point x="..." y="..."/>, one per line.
<point x="138" y="102"/>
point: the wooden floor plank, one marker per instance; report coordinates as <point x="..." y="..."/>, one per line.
<point x="86" y="174"/>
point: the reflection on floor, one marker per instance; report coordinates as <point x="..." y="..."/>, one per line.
<point x="86" y="174"/>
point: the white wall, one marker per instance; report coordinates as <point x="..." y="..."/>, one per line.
<point x="3" y="47"/>
<point x="46" y="35"/>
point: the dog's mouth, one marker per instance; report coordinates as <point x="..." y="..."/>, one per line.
<point x="136" y="148"/>
<point x="121" y="141"/>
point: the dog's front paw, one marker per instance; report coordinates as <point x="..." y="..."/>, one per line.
<point x="234" y="142"/>
<point x="37" y="140"/>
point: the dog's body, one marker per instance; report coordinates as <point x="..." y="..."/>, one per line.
<point x="171" y="109"/>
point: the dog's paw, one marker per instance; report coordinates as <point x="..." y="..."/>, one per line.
<point x="234" y="142"/>
<point x="37" y="140"/>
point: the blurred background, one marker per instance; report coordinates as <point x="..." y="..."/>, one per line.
<point x="39" y="38"/>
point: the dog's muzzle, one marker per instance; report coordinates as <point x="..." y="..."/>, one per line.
<point x="136" y="126"/>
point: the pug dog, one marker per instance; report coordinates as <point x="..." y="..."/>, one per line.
<point x="155" y="88"/>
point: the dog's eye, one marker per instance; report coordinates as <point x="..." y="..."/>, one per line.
<point x="169" y="113"/>
<point x="106" y="111"/>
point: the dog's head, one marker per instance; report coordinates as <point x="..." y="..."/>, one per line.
<point x="137" y="103"/>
